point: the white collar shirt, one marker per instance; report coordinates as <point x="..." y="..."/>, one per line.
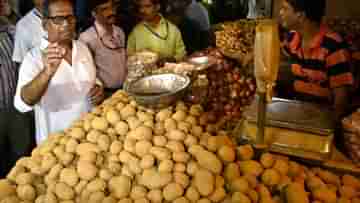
<point x="66" y="98"/>
<point x="198" y="13"/>
<point x="29" y="32"/>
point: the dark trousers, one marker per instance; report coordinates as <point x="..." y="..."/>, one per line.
<point x="16" y="138"/>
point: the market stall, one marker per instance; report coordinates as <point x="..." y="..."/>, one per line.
<point x="180" y="138"/>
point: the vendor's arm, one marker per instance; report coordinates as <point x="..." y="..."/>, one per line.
<point x="340" y="77"/>
<point x="31" y="92"/>
<point x="180" y="50"/>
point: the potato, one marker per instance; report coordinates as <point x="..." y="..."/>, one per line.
<point x="50" y="198"/>
<point x="135" y="167"/>
<point x="172" y="191"/>
<point x="245" y="152"/>
<point x="250" y="168"/>
<point x="267" y="160"/>
<point x="89" y="157"/>
<point x="294" y="169"/>
<point x="313" y="183"/>
<point x="179" y="167"/>
<point x="99" y="123"/>
<point x="348" y="192"/>
<point x="147" y="161"/>
<point x="270" y="177"/>
<point x="138" y="192"/>
<point x="192" y="194"/>
<point x="86" y="147"/>
<point x="129" y="145"/>
<point x="96" y="197"/>
<point x="133" y="122"/>
<point x="104" y="142"/>
<point x="92" y="136"/>
<point x="122" y="128"/>
<point x="295" y="192"/>
<point x="190" y="140"/>
<point x="179" y="115"/>
<point x="64" y="192"/>
<point x="126" y="157"/>
<point x="196" y="110"/>
<point x="163" y="115"/>
<point x="170" y="124"/>
<point x="126" y="200"/>
<point x="281" y="166"/>
<point x="25" y="178"/>
<point x="6" y="189"/>
<point x="113" y="116"/>
<point x="80" y="186"/>
<point x="149" y="124"/>
<point x="212" y="144"/>
<point x="77" y="133"/>
<point x="142" y="133"/>
<point x="142" y="200"/>
<point x="86" y="170"/>
<point x="184" y="126"/>
<point x="152" y="179"/>
<point x="127" y="111"/>
<point x="206" y="159"/>
<point x="182" y="179"/>
<point x="96" y="185"/>
<point x="159" y="129"/>
<point x="349" y="180"/>
<point x="239" y="185"/>
<point x="178" y="135"/>
<point x="182" y="157"/>
<point x="325" y="195"/>
<point x="231" y="172"/>
<point x="47" y="163"/>
<point x="253" y="195"/>
<point x="109" y="200"/>
<point x="142" y="148"/>
<point x="218" y="195"/>
<point x="192" y="167"/>
<point x="343" y="200"/>
<point x="204" y="182"/>
<point x="160" y="153"/>
<point x="69" y="176"/>
<point x="127" y="172"/>
<point x="226" y="154"/>
<point x="159" y="141"/>
<point x="239" y="197"/>
<point x="175" y="146"/>
<point x="329" y="177"/>
<point x="143" y="116"/>
<point x="166" y="166"/>
<point x="120" y="186"/>
<point x="11" y="199"/>
<point x="66" y="158"/>
<point x="55" y="171"/>
<point x="116" y="147"/>
<point x="155" y="196"/>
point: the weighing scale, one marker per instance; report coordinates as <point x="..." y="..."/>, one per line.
<point x="295" y="128"/>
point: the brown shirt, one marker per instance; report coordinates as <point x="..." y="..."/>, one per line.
<point x="109" y="54"/>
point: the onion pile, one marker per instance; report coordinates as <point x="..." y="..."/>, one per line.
<point x="230" y="88"/>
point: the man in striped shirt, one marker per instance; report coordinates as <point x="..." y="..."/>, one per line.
<point x="319" y="57"/>
<point x="15" y="137"/>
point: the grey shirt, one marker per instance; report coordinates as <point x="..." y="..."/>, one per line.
<point x="8" y="69"/>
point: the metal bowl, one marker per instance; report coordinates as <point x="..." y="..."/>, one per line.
<point x="158" y="91"/>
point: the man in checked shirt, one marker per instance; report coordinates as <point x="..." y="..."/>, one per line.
<point x="15" y="135"/>
<point x="320" y="61"/>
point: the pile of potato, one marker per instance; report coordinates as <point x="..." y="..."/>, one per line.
<point x="123" y="153"/>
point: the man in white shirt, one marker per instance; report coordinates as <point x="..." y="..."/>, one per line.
<point x="198" y="13"/>
<point x="29" y="32"/>
<point x="58" y="78"/>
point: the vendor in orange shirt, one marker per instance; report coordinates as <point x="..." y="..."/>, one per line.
<point x="320" y="61"/>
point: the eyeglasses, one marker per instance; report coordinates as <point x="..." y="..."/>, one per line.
<point x="60" y="20"/>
